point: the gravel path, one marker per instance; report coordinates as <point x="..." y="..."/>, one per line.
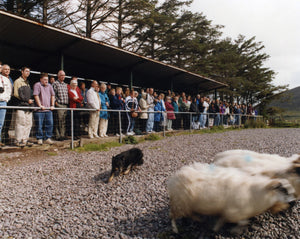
<point x="65" y="196"/>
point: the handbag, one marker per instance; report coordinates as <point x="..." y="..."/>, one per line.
<point x="133" y="113"/>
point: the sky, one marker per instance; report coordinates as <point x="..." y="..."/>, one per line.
<point x="275" y="23"/>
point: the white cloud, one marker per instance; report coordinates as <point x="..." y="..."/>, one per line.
<point x="273" y="22"/>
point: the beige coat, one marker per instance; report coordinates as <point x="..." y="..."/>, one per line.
<point x="144" y="108"/>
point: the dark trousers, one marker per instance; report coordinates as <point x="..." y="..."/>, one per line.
<point x="113" y="124"/>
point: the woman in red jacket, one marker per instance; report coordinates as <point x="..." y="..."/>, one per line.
<point x="75" y="101"/>
<point x="170" y="112"/>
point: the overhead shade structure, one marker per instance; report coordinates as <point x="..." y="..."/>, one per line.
<point x="24" y="42"/>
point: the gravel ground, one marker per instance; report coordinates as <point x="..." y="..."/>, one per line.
<point x="65" y="196"/>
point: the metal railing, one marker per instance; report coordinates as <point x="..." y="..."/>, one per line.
<point x="184" y="120"/>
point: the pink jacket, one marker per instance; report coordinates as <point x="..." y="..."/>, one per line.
<point x="169" y="107"/>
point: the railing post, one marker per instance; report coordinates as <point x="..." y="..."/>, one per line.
<point x="164" y="126"/>
<point x="222" y="118"/>
<point x="72" y="132"/>
<point x="120" y="127"/>
<point x="191" y="120"/>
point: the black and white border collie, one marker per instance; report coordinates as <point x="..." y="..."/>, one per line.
<point x="124" y="162"/>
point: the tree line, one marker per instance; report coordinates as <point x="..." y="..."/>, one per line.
<point x="167" y="31"/>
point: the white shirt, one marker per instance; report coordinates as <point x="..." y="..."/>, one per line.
<point x="5" y="83"/>
<point x="205" y="105"/>
<point x="93" y="99"/>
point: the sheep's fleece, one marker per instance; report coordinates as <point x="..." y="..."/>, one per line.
<point x="229" y="193"/>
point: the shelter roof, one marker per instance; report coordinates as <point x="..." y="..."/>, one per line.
<point x="24" y="42"/>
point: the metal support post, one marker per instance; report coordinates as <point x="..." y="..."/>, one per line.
<point x="72" y="132"/>
<point x="120" y="127"/>
<point x="62" y="61"/>
<point x="191" y="120"/>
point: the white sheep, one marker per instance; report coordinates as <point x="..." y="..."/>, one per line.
<point x="271" y="165"/>
<point x="229" y="193"/>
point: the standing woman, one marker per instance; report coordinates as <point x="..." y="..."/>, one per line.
<point x="144" y="108"/>
<point x="75" y="101"/>
<point x="170" y="112"/>
<point x="103" y="114"/>
<point x="131" y="104"/>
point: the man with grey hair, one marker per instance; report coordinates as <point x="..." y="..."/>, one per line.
<point x="5" y="94"/>
<point x="8" y="116"/>
<point x="61" y="101"/>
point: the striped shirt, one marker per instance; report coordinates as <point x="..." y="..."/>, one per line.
<point x="61" y="92"/>
<point x="131" y="103"/>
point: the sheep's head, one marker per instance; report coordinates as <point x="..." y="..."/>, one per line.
<point x="283" y="192"/>
<point x="296" y="158"/>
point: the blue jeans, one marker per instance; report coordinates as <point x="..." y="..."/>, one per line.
<point x="203" y="119"/>
<point x="2" y="116"/>
<point x="150" y="121"/>
<point x="217" y="120"/>
<point x="131" y="123"/>
<point x="43" y="119"/>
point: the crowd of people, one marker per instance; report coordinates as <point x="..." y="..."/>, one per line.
<point x="144" y="111"/>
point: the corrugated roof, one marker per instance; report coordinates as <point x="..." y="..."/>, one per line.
<point x="24" y="42"/>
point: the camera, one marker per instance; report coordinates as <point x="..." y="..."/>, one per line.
<point x="1" y="90"/>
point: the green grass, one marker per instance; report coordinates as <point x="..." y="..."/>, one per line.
<point x="152" y="137"/>
<point x="52" y="153"/>
<point x="98" y="147"/>
<point x="285" y="124"/>
<point x="130" y="140"/>
<point x="254" y="124"/>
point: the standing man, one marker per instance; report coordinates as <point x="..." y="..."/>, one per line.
<point x="61" y="101"/>
<point x="5" y="94"/>
<point x="5" y="128"/>
<point x="94" y="102"/>
<point x="44" y="97"/>
<point x="22" y="92"/>
<point x="150" y="102"/>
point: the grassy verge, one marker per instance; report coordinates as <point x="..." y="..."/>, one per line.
<point x="97" y="147"/>
<point x="153" y="137"/>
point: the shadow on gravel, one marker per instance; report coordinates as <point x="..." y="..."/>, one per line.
<point x="103" y="176"/>
<point x="147" y="225"/>
<point x="158" y="225"/>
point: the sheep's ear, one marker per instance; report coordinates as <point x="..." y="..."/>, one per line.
<point x="273" y="185"/>
<point x="297" y="168"/>
<point x="297" y="161"/>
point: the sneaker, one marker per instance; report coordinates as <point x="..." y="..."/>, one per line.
<point x="96" y="136"/>
<point x="29" y="144"/>
<point x="20" y="144"/>
<point x="91" y="136"/>
<point x="117" y="135"/>
<point x="48" y="141"/>
<point x="40" y="142"/>
<point x="129" y="133"/>
<point x="105" y="135"/>
<point x="132" y="133"/>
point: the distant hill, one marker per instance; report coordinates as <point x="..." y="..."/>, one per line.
<point x="289" y="100"/>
